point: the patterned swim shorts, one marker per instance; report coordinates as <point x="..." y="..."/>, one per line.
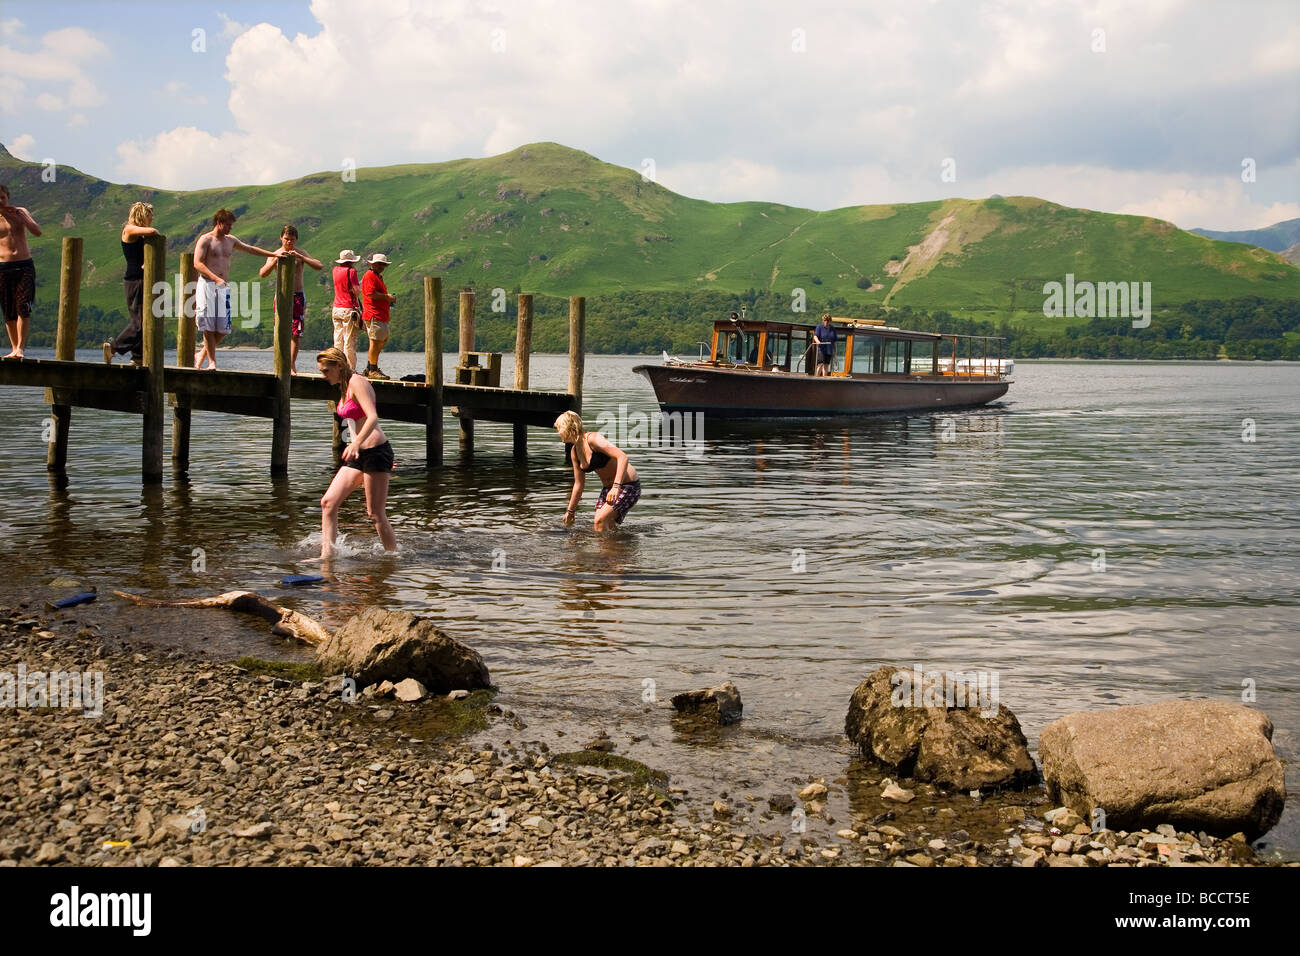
<point x="628" y="494"/>
<point x="17" y="289"/>
<point x="299" y="313"/>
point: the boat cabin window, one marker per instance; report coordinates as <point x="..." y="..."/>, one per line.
<point x="922" y="358"/>
<point x="895" y="357"/>
<point x="731" y="347"/>
<point x="866" y="354"/>
<point x="778" y="350"/>
<point x="801" y="355"/>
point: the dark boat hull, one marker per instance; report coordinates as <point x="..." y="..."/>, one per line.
<point x="724" y="393"/>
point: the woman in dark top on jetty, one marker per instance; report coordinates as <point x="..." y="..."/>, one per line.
<point x="139" y="222"/>
<point x="368" y="458"/>
<point x="594" y="452"/>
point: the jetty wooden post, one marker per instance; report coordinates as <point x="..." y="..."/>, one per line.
<point x="523" y="347"/>
<point x="185" y="333"/>
<point x="466" y="346"/>
<point x="65" y="347"/>
<point x="577" y="339"/>
<point x="185" y="312"/>
<point x="280" y="428"/>
<point x="155" y="272"/>
<point x="433" y="368"/>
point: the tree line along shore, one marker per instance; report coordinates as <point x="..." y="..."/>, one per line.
<point x="1249" y="328"/>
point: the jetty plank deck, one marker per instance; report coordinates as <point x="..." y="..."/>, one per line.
<point x="141" y="389"/>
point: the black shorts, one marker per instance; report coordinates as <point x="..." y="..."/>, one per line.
<point x="17" y="289"/>
<point x="379" y="458"/>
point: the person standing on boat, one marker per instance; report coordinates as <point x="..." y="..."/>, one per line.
<point x="368" y="458"/>
<point x="588" y="452"/>
<point x="824" y="339"/>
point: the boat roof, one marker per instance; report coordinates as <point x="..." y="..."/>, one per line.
<point x="871" y="326"/>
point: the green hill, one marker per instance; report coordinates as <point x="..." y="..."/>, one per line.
<point x="553" y="220"/>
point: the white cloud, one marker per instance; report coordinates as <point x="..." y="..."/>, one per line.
<point x="77" y="120"/>
<point x="24" y="147"/>
<point x="11" y="93"/>
<point x="60" y="62"/>
<point x="185" y="155"/>
<point x="229" y="27"/>
<point x="1281" y="54"/>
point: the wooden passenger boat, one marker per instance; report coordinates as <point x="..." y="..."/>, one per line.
<point x="759" y="369"/>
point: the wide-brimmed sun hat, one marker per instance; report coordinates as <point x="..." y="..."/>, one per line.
<point x="346" y="256"/>
<point x="378" y="259"/>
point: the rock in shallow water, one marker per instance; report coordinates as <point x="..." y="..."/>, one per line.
<point x="721" y="702"/>
<point x="1197" y="764"/>
<point x="379" y="645"/>
<point x="955" y="747"/>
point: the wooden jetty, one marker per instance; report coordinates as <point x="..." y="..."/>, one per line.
<point x="142" y="389"/>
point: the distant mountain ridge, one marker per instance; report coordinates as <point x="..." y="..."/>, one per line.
<point x="549" y="219"/>
<point x="1276" y="238"/>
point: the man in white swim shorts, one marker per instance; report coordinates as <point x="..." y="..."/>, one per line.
<point x="212" y="293"/>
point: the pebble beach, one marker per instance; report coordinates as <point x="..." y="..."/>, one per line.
<point x="202" y="762"/>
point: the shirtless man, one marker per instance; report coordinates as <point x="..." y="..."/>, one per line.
<point x="212" y="297"/>
<point x="17" y="274"/>
<point x="289" y="246"/>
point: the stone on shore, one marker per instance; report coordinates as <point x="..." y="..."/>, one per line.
<point x="953" y="747"/>
<point x="892" y="791"/>
<point x="410" y="690"/>
<point x="1197" y="764"/>
<point x="379" y="645"/>
<point x="721" y="703"/>
<point x="813" y="791"/>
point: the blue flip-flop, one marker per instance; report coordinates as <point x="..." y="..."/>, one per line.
<point x="299" y="579"/>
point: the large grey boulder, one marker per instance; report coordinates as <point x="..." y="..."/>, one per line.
<point x="1197" y="764"/>
<point x="974" y="743"/>
<point x="379" y="645"/>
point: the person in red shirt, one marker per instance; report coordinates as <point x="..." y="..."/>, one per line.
<point x="346" y="311"/>
<point x="375" y="301"/>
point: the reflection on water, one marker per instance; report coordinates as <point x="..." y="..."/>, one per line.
<point x="1103" y="536"/>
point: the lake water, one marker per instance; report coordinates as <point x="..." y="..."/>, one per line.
<point x="1103" y="536"/>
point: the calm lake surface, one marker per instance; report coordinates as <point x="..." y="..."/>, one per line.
<point x="1103" y="536"/>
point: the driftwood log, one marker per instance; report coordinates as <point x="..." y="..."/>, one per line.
<point x="283" y="621"/>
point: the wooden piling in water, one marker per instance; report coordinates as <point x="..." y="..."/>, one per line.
<point x="466" y="327"/>
<point x="577" y="345"/>
<point x="523" y="348"/>
<point x="280" y="427"/>
<point x="185" y="334"/>
<point x="433" y="368"/>
<point x="155" y="272"/>
<point x="65" y="348"/>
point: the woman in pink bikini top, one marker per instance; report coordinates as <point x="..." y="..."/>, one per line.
<point x="368" y="458"/>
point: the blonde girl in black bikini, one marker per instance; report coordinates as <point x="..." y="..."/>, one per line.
<point x="594" y="452"/>
<point x="367" y="460"/>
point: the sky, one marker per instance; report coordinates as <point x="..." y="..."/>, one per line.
<point x="1186" y="110"/>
